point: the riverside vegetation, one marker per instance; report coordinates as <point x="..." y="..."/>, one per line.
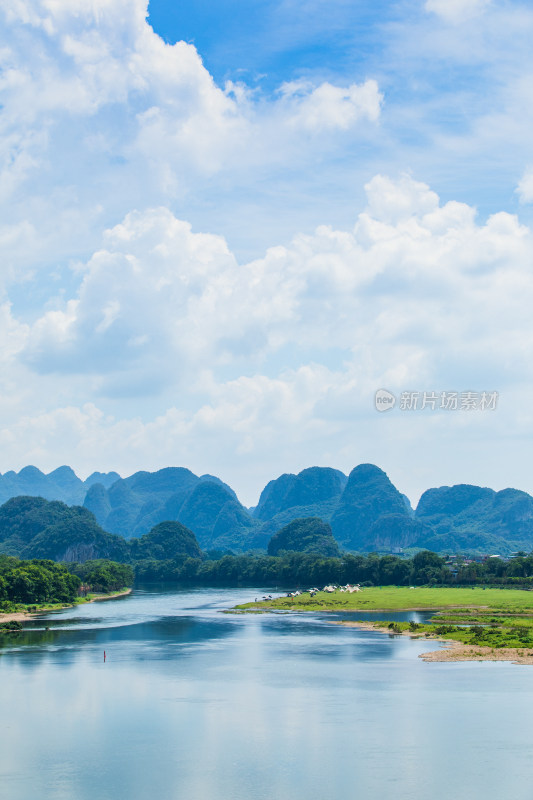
<point x="38" y="584"/>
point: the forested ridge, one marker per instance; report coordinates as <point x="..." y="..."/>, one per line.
<point x="302" y="553"/>
<point x="365" y="510"/>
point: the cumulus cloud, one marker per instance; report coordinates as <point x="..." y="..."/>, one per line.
<point x="153" y="343"/>
<point x="100" y="115"/>
<point x="136" y="300"/>
<point x="102" y="61"/>
<point x="416" y="289"/>
<point x="395" y="200"/>
<point x="328" y="107"/>
<point x="276" y="361"/>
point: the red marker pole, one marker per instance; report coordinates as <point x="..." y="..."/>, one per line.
<point x="104" y="656"/>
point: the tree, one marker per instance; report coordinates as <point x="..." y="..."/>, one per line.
<point x="306" y="535"/>
<point x="428" y="567"/>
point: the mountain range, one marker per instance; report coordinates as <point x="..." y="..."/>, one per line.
<point x="365" y="511"/>
<point x="61" y="484"/>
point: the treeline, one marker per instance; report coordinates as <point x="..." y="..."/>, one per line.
<point x="44" y="581"/>
<point x="296" y="569"/>
<point x="36" y="581"/>
<point x="40" y="581"/>
<point x="101" y="575"/>
<point x="516" y="571"/>
<point x="291" y="569"/>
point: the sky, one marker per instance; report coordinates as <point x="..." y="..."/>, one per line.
<point x="225" y="226"/>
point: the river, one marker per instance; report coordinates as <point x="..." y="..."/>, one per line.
<point x="194" y="703"/>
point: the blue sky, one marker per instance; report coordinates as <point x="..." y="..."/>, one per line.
<point x="438" y="81"/>
<point x="266" y="43"/>
<point x="224" y="226"/>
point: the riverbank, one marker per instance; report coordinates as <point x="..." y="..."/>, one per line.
<point x="457" y="651"/>
<point x="453" y="649"/>
<point x="25" y="615"/>
<point x="97" y="598"/>
<point x="477" y="623"/>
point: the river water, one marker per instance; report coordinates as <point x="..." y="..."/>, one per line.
<point x="193" y="703"/>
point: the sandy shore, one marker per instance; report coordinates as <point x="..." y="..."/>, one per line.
<point x="21" y="616"/>
<point x="457" y="651"/>
<point x="99" y="597"/>
<point x="452" y="650"/>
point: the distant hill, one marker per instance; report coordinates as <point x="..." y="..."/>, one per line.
<point x="308" y="535"/>
<point x="365" y="511"/>
<point x="165" y="541"/>
<point x="465" y="517"/>
<point x="32" y="527"/>
<point x="371" y="511"/>
<point x="314" y="492"/>
<point x="210" y="508"/>
<point x="61" y="484"/>
<point x="311" y="487"/>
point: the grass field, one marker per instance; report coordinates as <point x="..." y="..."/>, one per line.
<point x="398" y="598"/>
<point x="482" y="617"/>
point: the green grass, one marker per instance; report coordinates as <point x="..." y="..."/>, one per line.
<point x="398" y="598"/>
<point x="15" y="608"/>
<point x="508" y="634"/>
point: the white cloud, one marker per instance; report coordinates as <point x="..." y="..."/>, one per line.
<point x="254" y="428"/>
<point x="457" y="11"/>
<point x="392" y="201"/>
<point x="12" y="334"/>
<point x="100" y="115"/>
<point x="525" y="187"/>
<point x="134" y="303"/>
<point x="415" y="291"/>
<point x="277" y="357"/>
<point x="328" y="107"/>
